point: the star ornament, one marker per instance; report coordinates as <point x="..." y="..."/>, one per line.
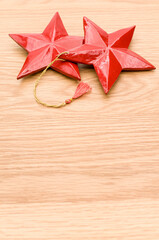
<point x="43" y="49"/>
<point x="108" y="53"/>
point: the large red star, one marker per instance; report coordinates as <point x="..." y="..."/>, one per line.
<point x="43" y="48"/>
<point x="108" y="53"/>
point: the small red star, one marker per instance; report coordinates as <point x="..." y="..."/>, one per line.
<point x="108" y="53"/>
<point x="44" y="47"/>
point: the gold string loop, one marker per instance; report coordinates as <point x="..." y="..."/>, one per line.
<point x="37" y="83"/>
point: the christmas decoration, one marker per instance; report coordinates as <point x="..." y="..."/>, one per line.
<point x="108" y="53"/>
<point x="44" y="47"/>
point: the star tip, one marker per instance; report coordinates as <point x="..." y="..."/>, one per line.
<point x="85" y="19"/>
<point x="19" y="76"/>
<point x="13" y="36"/>
<point x="10" y="35"/>
<point x="106" y="90"/>
<point x="153" y="67"/>
<point x="133" y="27"/>
<point x="78" y="77"/>
<point x="57" y="15"/>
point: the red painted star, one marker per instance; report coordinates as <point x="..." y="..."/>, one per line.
<point x="108" y="53"/>
<point x="44" y="47"/>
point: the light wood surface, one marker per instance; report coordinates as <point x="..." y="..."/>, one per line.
<point x="89" y="170"/>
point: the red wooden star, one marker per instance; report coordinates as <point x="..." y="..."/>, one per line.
<point x="43" y="48"/>
<point x="108" y="53"/>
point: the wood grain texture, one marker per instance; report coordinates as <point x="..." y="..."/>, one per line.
<point x="89" y="170"/>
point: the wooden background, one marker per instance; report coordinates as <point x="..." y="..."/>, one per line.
<point x="89" y="170"/>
